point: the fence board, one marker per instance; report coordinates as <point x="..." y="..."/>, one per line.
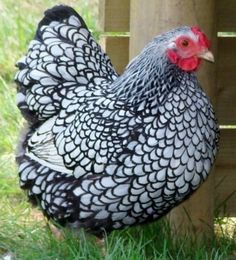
<point x="227" y="152"/>
<point x="114" y="15"/>
<point x="225" y="191"/>
<point x="226" y="15"/>
<point x="158" y="16"/>
<point x="117" y="49"/>
<point x="226" y="81"/>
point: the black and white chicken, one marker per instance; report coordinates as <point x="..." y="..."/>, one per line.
<point x="104" y="151"/>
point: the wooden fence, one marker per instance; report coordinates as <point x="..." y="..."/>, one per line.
<point x="129" y="24"/>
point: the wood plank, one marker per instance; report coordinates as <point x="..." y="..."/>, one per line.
<point x="117" y="49"/>
<point x="114" y="15"/>
<point x="158" y="16"/>
<point x="225" y="191"/>
<point x="226" y="81"/>
<point x="227" y="152"/>
<point x="226" y="15"/>
<point x="194" y="217"/>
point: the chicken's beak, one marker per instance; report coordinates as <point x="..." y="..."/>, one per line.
<point x="207" y="55"/>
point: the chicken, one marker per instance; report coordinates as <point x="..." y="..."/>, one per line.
<point x="104" y="151"/>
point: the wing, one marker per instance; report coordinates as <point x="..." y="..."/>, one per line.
<point x="87" y="135"/>
<point x="61" y="59"/>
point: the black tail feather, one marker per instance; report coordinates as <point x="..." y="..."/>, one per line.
<point x="58" y="14"/>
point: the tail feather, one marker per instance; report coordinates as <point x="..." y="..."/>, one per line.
<point x="62" y="58"/>
<point x="58" y="14"/>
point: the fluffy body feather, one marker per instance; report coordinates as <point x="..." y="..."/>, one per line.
<point x="105" y="151"/>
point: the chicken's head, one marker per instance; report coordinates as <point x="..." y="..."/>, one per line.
<point x="188" y="48"/>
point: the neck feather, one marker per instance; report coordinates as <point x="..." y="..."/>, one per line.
<point x="150" y="76"/>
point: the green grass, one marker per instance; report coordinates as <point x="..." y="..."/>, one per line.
<point x="27" y="236"/>
<point x="23" y="231"/>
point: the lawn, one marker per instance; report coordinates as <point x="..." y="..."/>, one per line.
<point x="24" y="233"/>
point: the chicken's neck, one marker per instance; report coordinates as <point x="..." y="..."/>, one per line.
<point x="146" y="79"/>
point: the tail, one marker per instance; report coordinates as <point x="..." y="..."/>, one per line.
<point x="62" y="58"/>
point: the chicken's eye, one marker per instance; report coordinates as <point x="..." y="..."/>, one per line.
<point x="185" y="43"/>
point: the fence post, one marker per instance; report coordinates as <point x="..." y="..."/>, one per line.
<point x="114" y="18"/>
<point x="147" y="20"/>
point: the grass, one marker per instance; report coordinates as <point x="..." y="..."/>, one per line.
<point x="26" y="235"/>
<point x="23" y="231"/>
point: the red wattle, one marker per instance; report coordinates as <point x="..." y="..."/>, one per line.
<point x="186" y="64"/>
<point x="189" y="64"/>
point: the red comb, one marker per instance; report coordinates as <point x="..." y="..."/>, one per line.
<point x="202" y="37"/>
